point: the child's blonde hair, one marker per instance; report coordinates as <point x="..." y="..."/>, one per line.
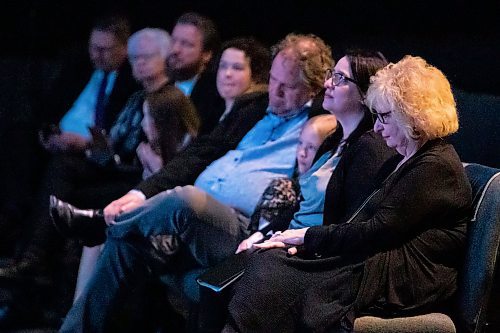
<point x="323" y="124"/>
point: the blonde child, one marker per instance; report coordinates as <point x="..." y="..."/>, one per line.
<point x="278" y="208"/>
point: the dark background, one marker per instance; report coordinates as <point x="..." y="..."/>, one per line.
<point x="460" y="37"/>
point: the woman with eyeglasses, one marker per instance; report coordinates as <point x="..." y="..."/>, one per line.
<point x="398" y="254"/>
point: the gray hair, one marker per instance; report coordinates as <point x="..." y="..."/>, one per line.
<point x="158" y="36"/>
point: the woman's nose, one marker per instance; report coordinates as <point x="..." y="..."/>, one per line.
<point x="328" y="84"/>
<point x="377" y="127"/>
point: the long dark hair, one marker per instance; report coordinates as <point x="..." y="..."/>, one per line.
<point x="364" y="64"/>
<point x="174" y="116"/>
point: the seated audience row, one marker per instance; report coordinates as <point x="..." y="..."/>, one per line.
<point x="375" y="224"/>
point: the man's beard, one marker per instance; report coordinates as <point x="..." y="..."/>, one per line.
<point x="185" y="73"/>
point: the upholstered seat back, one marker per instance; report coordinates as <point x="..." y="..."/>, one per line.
<point x="482" y="250"/>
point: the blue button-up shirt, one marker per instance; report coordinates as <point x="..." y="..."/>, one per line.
<point x="313" y="185"/>
<point x="186" y="86"/>
<point x="267" y="151"/>
<point x="81" y="116"/>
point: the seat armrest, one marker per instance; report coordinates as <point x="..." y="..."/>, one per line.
<point x="432" y="322"/>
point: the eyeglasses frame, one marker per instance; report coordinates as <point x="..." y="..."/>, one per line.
<point x="329" y="74"/>
<point x="380" y="115"/>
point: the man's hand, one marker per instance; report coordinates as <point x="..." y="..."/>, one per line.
<point x="64" y="142"/>
<point x="249" y="242"/>
<point x="282" y="239"/>
<point x="125" y="204"/>
<point x="100" y="149"/>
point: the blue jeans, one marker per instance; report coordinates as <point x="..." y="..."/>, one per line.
<point x="209" y="229"/>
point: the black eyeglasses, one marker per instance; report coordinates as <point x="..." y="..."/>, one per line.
<point x="337" y="78"/>
<point x="381" y="116"/>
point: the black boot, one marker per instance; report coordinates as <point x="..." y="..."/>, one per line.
<point x="88" y="225"/>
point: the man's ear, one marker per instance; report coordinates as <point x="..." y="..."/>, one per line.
<point x="313" y="94"/>
<point x="206" y="56"/>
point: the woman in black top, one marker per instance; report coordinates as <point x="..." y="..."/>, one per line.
<point x="399" y="253"/>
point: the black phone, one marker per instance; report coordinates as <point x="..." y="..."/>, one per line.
<point x="99" y="138"/>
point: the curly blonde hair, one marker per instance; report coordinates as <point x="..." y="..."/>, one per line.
<point x="419" y="96"/>
<point x="313" y="55"/>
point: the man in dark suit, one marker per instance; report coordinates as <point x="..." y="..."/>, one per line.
<point x="90" y="94"/>
<point x="195" y="47"/>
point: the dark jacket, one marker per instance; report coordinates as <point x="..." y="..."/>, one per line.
<point x="410" y="235"/>
<point x="207" y="101"/>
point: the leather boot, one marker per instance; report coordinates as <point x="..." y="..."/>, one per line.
<point x="87" y="225"/>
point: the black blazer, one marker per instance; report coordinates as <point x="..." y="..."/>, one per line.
<point x="207" y="101"/>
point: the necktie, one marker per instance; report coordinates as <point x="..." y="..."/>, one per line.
<point x="101" y="102"/>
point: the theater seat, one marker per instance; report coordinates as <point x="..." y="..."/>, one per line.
<point x="478" y="274"/>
